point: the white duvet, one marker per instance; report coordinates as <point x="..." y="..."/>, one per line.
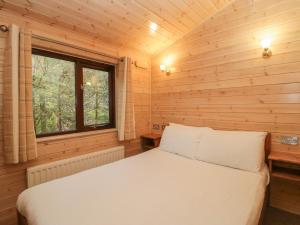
<point x="153" y="188"/>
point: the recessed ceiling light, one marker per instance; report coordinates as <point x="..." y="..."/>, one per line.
<point x="153" y="26"/>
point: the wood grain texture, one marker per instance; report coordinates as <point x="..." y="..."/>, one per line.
<point x="219" y="78"/>
<point x="12" y="177"/>
<point x="122" y="22"/>
<point x="285" y="196"/>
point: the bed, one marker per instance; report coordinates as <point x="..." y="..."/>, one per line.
<point x="197" y="176"/>
<point x="155" y="187"/>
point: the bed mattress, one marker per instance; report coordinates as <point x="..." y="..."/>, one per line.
<point x="153" y="188"/>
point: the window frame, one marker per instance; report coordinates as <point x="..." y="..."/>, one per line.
<point x="81" y="63"/>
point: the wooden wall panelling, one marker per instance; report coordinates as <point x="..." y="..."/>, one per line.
<point x="45" y="28"/>
<point x="102" y="27"/>
<point x="13" y="177"/>
<point x="122" y="22"/>
<point x="220" y="79"/>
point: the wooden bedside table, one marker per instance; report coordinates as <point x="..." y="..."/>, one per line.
<point x="149" y="141"/>
<point x="285" y="166"/>
<point x="285" y="181"/>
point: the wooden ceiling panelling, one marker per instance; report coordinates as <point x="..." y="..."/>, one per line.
<point x="123" y="22"/>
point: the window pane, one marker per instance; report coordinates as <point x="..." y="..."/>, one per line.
<point x="95" y="97"/>
<point x="53" y="95"/>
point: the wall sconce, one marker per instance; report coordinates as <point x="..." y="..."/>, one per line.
<point x="266" y="44"/>
<point x="165" y="69"/>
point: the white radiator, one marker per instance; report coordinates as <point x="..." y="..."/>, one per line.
<point x="50" y="171"/>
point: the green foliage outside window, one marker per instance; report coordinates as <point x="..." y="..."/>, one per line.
<point x="53" y="94"/>
<point x="95" y="97"/>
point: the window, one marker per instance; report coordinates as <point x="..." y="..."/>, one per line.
<point x="71" y="94"/>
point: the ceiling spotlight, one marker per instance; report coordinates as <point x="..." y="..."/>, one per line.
<point x="153" y="27"/>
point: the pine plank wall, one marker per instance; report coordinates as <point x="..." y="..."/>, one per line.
<point x="220" y="79"/>
<point x="13" y="178"/>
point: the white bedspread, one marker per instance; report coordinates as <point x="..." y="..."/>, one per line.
<point x="153" y="188"/>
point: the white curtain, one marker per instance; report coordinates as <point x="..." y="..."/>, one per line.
<point x="125" y="104"/>
<point x="18" y="128"/>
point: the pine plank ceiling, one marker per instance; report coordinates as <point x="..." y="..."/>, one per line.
<point x="124" y="22"/>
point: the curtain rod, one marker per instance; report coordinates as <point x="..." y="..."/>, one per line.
<point x="73" y="46"/>
<point x="3" y="28"/>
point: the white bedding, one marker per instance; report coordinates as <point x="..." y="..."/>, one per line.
<point x="153" y="188"/>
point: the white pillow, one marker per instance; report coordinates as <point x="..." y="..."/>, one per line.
<point x="200" y="130"/>
<point x="182" y="140"/>
<point x="237" y="149"/>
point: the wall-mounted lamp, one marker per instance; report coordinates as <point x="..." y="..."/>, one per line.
<point x="266" y="44"/>
<point x="165" y="69"/>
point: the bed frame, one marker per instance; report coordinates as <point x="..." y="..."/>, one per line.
<point x="22" y="220"/>
<point x="267" y="194"/>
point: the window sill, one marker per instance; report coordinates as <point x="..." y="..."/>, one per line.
<point x="74" y="135"/>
